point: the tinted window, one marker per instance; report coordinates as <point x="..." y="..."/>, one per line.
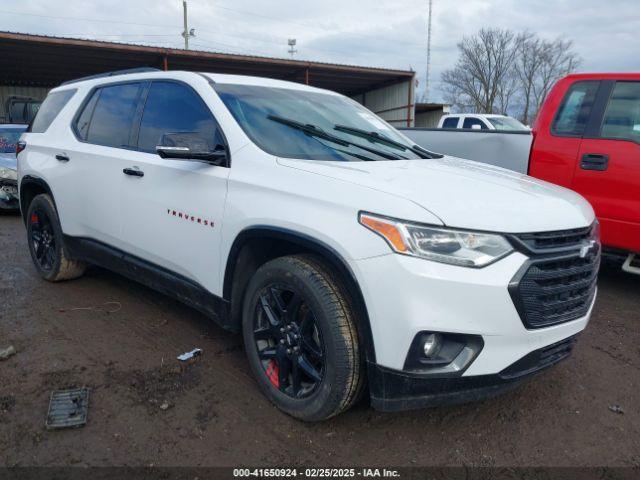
<point x="174" y="108"/>
<point x="82" y="123"/>
<point x="622" y="116"/>
<point x="470" y="122"/>
<point x="112" y="117"/>
<point x="573" y="114"/>
<point x="50" y="109"/>
<point x="451" y="122"/>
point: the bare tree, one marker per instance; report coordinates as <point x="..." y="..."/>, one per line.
<point x="485" y="61"/>
<point x="558" y="60"/>
<point x="507" y="91"/>
<point x="526" y="66"/>
<point x="499" y="71"/>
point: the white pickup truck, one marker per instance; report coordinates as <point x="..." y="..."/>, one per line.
<point x="353" y="261"/>
<point x="480" y="121"/>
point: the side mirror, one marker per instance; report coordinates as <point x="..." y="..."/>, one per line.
<point x="190" y="146"/>
<point x="476" y="127"/>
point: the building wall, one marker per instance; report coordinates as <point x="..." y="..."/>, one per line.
<point x="394" y="103"/>
<point x="430" y="119"/>
<point x="39" y="93"/>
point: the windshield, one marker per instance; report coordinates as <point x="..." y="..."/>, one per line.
<point x="506" y="123"/>
<point x="8" y="139"/>
<point x="274" y="119"/>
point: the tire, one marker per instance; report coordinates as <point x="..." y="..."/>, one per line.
<point x="43" y="223"/>
<point x="322" y="323"/>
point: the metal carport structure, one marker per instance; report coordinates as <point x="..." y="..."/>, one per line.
<point x="32" y="64"/>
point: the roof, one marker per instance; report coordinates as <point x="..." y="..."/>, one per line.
<point x="604" y="76"/>
<point x="430" y="107"/>
<point x="151" y="73"/>
<point x="481" y="115"/>
<point x="37" y="60"/>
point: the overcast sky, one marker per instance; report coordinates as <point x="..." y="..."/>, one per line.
<point x="379" y="33"/>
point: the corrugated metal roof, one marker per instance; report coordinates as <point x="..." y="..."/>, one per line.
<point x="199" y="50"/>
<point x="49" y="60"/>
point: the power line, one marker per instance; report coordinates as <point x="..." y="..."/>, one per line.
<point x="308" y="25"/>
<point x="266" y="17"/>
<point x="218" y="33"/>
<point x="85" y="19"/>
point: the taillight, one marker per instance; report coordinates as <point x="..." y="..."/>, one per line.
<point x="20" y="146"/>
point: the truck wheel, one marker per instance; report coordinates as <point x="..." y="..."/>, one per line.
<point x="46" y="242"/>
<point x="301" y="339"/>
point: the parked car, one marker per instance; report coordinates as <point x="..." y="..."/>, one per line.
<point x="9" y="136"/>
<point x="478" y="121"/>
<point x="353" y="261"/>
<point x="587" y="138"/>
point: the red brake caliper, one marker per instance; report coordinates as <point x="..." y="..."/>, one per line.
<point x="34" y="218"/>
<point x="273" y="372"/>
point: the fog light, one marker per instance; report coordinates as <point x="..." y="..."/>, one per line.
<point x="438" y="353"/>
<point x="431" y="344"/>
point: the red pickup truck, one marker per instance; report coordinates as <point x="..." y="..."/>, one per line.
<point x="587" y="138"/>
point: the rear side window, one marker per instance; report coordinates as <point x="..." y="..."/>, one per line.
<point x="175" y="108"/>
<point x="50" y="109"/>
<point x="574" y="112"/>
<point x="470" y="122"/>
<point x="450" y="122"/>
<point x="107" y="117"/>
<point x="622" y="116"/>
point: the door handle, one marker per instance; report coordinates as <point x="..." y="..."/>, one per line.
<point x="62" y="158"/>
<point x="135" y="172"/>
<point x="594" y="161"/>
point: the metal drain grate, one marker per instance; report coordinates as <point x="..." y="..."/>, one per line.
<point x="68" y="408"/>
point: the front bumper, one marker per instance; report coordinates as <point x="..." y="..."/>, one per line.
<point x="407" y="295"/>
<point x="393" y="390"/>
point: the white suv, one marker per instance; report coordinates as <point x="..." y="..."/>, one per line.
<point x="351" y="259"/>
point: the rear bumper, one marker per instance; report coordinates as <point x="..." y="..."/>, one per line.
<point x="393" y="390"/>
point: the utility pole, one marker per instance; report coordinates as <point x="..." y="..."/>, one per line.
<point x="186" y="33"/>
<point x="292" y="43"/>
<point x="426" y="83"/>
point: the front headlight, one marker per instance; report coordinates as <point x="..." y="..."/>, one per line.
<point x="8" y="174"/>
<point x="455" y="247"/>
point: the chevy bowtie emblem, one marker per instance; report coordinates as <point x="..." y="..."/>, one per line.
<point x="584" y="250"/>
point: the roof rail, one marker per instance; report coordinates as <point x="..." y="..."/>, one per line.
<point x="111" y="74"/>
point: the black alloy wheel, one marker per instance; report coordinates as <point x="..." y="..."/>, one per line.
<point x="289" y="343"/>
<point x="43" y="239"/>
<point x="301" y="339"/>
<point x="46" y="241"/>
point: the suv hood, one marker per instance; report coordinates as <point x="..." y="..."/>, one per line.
<point x="463" y="193"/>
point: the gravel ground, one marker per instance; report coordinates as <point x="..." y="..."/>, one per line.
<point x="144" y="412"/>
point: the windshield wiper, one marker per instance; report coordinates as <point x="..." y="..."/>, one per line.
<point x="382" y="139"/>
<point x="315" y="131"/>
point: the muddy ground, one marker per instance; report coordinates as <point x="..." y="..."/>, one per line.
<point x="144" y="412"/>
